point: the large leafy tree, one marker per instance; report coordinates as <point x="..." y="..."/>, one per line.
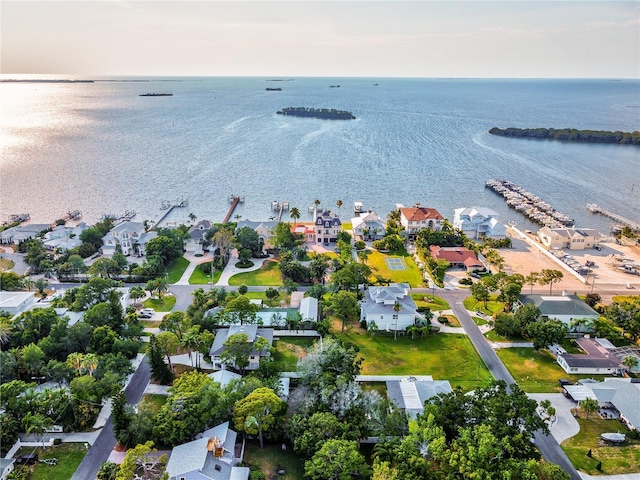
<point x="550" y="277"/>
<point x="626" y="315"/>
<point x="282" y="236"/>
<point x="337" y="460"/>
<point x="166" y="247"/>
<point x="344" y="306"/>
<point x="309" y="433"/>
<point x="241" y="310"/>
<point x="547" y="332"/>
<point x="247" y="238"/>
<point x="258" y="413"/>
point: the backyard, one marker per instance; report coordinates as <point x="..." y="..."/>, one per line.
<point x="410" y="274"/>
<point x="69" y="456"/>
<point x="616" y="459"/>
<point x="289" y="350"/>
<point x="267" y="275"/>
<point x="272" y="458"/>
<point x="164" y="304"/>
<point x="443" y="356"/>
<point x="433" y="303"/>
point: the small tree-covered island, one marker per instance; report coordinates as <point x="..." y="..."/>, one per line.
<point x="570" y="135"/>
<point x="324" y="113"/>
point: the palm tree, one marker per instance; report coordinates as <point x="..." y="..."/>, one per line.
<point x="532" y="279"/>
<point x="74" y="360"/>
<point x="339" y="205"/>
<point x="5" y="331"/>
<point x="161" y="286"/>
<point x="589" y="405"/>
<point x="363" y="256"/>
<point x="36" y="423"/>
<point x="396" y="308"/>
<point x="630" y="361"/>
<point x="136" y="293"/>
<point x="90" y="363"/>
<point x="295" y="214"/>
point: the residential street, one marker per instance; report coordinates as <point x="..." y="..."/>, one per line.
<point x="105" y="442"/>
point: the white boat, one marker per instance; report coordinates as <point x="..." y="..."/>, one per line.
<point x="614" y="437"/>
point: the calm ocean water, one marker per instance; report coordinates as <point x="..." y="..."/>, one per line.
<point x="101" y="148"/>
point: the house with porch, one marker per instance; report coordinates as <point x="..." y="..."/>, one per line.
<point x="458" y="257"/>
<point x="478" y="222"/>
<point x="19" y="233"/>
<point x="253" y="332"/>
<point x="417" y="218"/>
<point x="64" y="238"/>
<point x="126" y="235"/>
<point x="368" y="226"/>
<point x="213" y="455"/>
<point x="568" y="238"/>
<point x="327" y="225"/>
<point x="378" y="306"/>
<point x="195" y="240"/>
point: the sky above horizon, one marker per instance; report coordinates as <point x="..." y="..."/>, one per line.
<point x="393" y="38"/>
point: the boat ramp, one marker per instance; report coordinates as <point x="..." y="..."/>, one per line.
<point x="530" y="205"/>
<point x="593" y="208"/>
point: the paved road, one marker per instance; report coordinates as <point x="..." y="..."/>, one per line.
<point x="548" y="446"/>
<point x="105" y="442"/>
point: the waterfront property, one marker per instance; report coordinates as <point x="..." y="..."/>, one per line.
<point x="478" y="222"/>
<point x="572" y="311"/>
<point x="253" y="332"/>
<point x="264" y="230"/>
<point x="64" y="238"/>
<point x="416" y="218"/>
<point x="568" y="238"/>
<point x="19" y="233"/>
<point x="409" y="394"/>
<point x="213" y="455"/>
<point x="125" y="235"/>
<point x="368" y="226"/>
<point x="458" y="257"/>
<point x="195" y="241"/>
<point x="327" y="227"/>
<point x="379" y="306"/>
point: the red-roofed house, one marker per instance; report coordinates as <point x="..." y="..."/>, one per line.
<point x="307" y="231"/>
<point x="416" y="218"/>
<point x="458" y="257"/>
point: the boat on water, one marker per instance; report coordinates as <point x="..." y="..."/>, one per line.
<point x="614" y="437"/>
<point x="156" y="95"/>
<point x="324" y="113"/>
<point x="271" y="89"/>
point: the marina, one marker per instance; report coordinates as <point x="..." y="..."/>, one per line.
<point x="529" y="204"/>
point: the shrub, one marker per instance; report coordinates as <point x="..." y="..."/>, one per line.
<point x="57" y="441"/>
<point x="257" y="475"/>
<point x="465" y="281"/>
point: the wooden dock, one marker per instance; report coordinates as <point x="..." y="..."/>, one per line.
<point x="234" y="199"/>
<point x="281" y="207"/>
<point x="168" y="207"/>
<point x="593" y="208"/>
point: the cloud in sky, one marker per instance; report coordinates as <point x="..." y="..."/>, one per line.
<point x="313" y="38"/>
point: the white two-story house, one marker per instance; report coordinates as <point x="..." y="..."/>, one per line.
<point x="125" y="234"/>
<point x="478" y="222"/>
<point x="378" y="306"/>
<point x="569" y="238"/>
<point x="369" y="226"/>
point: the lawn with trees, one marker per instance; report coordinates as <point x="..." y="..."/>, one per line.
<point x="69" y="456"/>
<point x="267" y="275"/>
<point x="411" y="274"/>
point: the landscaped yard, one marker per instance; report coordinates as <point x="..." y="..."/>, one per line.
<point x="176" y="269"/>
<point x="153" y="401"/>
<point x="267" y="275"/>
<point x="198" y="277"/>
<point x="289" y="350"/>
<point x="411" y="274"/>
<point x="615" y="460"/>
<point x="428" y="301"/>
<point x="534" y="372"/>
<point x="493" y="305"/>
<point x="443" y="356"/>
<point x="69" y="456"/>
<point x="6" y="264"/>
<point x="272" y="458"/>
<point x="449" y="320"/>
<point x="479" y="321"/>
<point x="164" y="304"/>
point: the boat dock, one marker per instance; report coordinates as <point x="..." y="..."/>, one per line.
<point x="593" y="208"/>
<point x="119" y="217"/>
<point x="280" y="207"/>
<point x="234" y="199"/>
<point x="19" y="217"/>
<point x="169" y="206"/>
<point x="530" y="205"/>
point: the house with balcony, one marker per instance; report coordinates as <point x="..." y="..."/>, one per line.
<point x="126" y="235"/>
<point x="378" y="306"/>
<point x="327" y="225"/>
<point x="369" y="226"/>
<point x="417" y="218"/>
<point x="568" y="238"/>
<point x="195" y="240"/>
<point x="478" y="222"/>
<point x="253" y="332"/>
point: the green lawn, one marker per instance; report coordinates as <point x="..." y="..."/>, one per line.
<point x="198" y="277"/>
<point x="165" y="304"/>
<point x="433" y="303"/>
<point x="534" y="372"/>
<point x="272" y="458"/>
<point x="492" y="336"/>
<point x="289" y="350"/>
<point x="410" y="275"/>
<point x="6" y="264"/>
<point x="493" y="306"/>
<point x="69" y="456"/>
<point x="615" y="460"/>
<point x="479" y="321"/>
<point x="267" y="275"/>
<point x="176" y="269"/>
<point x="153" y="401"/>
<point x="449" y="320"/>
<point x="422" y="356"/>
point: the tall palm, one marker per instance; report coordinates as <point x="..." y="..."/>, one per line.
<point x="5" y="331"/>
<point x="295" y="214"/>
<point x="363" y="256"/>
<point x="339" y="205"/>
<point x="74" y="360"/>
<point x="161" y="286"/>
<point x="36" y="423"/>
<point x="90" y="363"/>
<point x="396" y="308"/>
<point x="136" y="293"/>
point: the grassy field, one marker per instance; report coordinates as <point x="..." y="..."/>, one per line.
<point x="198" y="277"/>
<point x="154" y="401"/>
<point x="69" y="456"/>
<point x="615" y="460"/>
<point x="268" y="274"/>
<point x="433" y="303"/>
<point x="411" y="274"/>
<point x="176" y="269"/>
<point x="6" y="264"/>
<point x="165" y="304"/>
<point x="289" y="350"/>
<point x="272" y="458"/>
<point x="492" y="336"/>
<point x="493" y="306"/>
<point x="534" y="372"/>
<point x="422" y="356"/>
<point x="449" y="320"/>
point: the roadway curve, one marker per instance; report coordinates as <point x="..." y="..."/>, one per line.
<point x="547" y="445"/>
<point x="102" y="447"/>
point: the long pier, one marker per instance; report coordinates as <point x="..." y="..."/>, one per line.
<point x="168" y="207"/>
<point x="234" y="199"/>
<point x="282" y="207"/>
<point x="593" y="208"/>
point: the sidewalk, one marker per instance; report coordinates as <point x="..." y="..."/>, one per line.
<point x="193" y="264"/>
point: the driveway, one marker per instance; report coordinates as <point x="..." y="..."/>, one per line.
<point x="565" y="425"/>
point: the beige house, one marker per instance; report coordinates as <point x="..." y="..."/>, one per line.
<point x="265" y="230"/>
<point x="417" y="217"/>
<point x="568" y="238"/>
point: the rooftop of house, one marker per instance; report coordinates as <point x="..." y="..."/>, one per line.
<point x="328" y="217"/>
<point x="418" y="213"/>
<point x="455" y="255"/>
<point x="565" y="305"/>
<point x="382" y="299"/>
<point x="223" y="377"/>
<point x="410" y="394"/>
<point x="475" y="211"/>
<point x="252" y="332"/>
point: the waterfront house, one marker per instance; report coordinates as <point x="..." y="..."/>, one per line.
<point x="368" y="226"/>
<point x="378" y="306"/>
<point x="305" y="231"/>
<point x="458" y="257"/>
<point x="409" y="394"/>
<point x="253" y="332"/>
<point x="126" y="235"/>
<point x="141" y="244"/>
<point x="568" y="238"/>
<point x="478" y="222"/>
<point x="327" y="226"/>
<point x="64" y="238"/>
<point x="572" y="311"/>
<point x="265" y="230"/>
<point x="214" y="455"/>
<point x="195" y="240"/>
<point x="20" y="233"/>
<point x="417" y="218"/>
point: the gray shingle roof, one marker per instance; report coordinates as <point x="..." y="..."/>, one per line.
<point x="559" y="305"/>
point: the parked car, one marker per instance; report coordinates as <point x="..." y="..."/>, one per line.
<point x="27" y="459"/>
<point x="563" y="382"/>
<point x="146" y="313"/>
